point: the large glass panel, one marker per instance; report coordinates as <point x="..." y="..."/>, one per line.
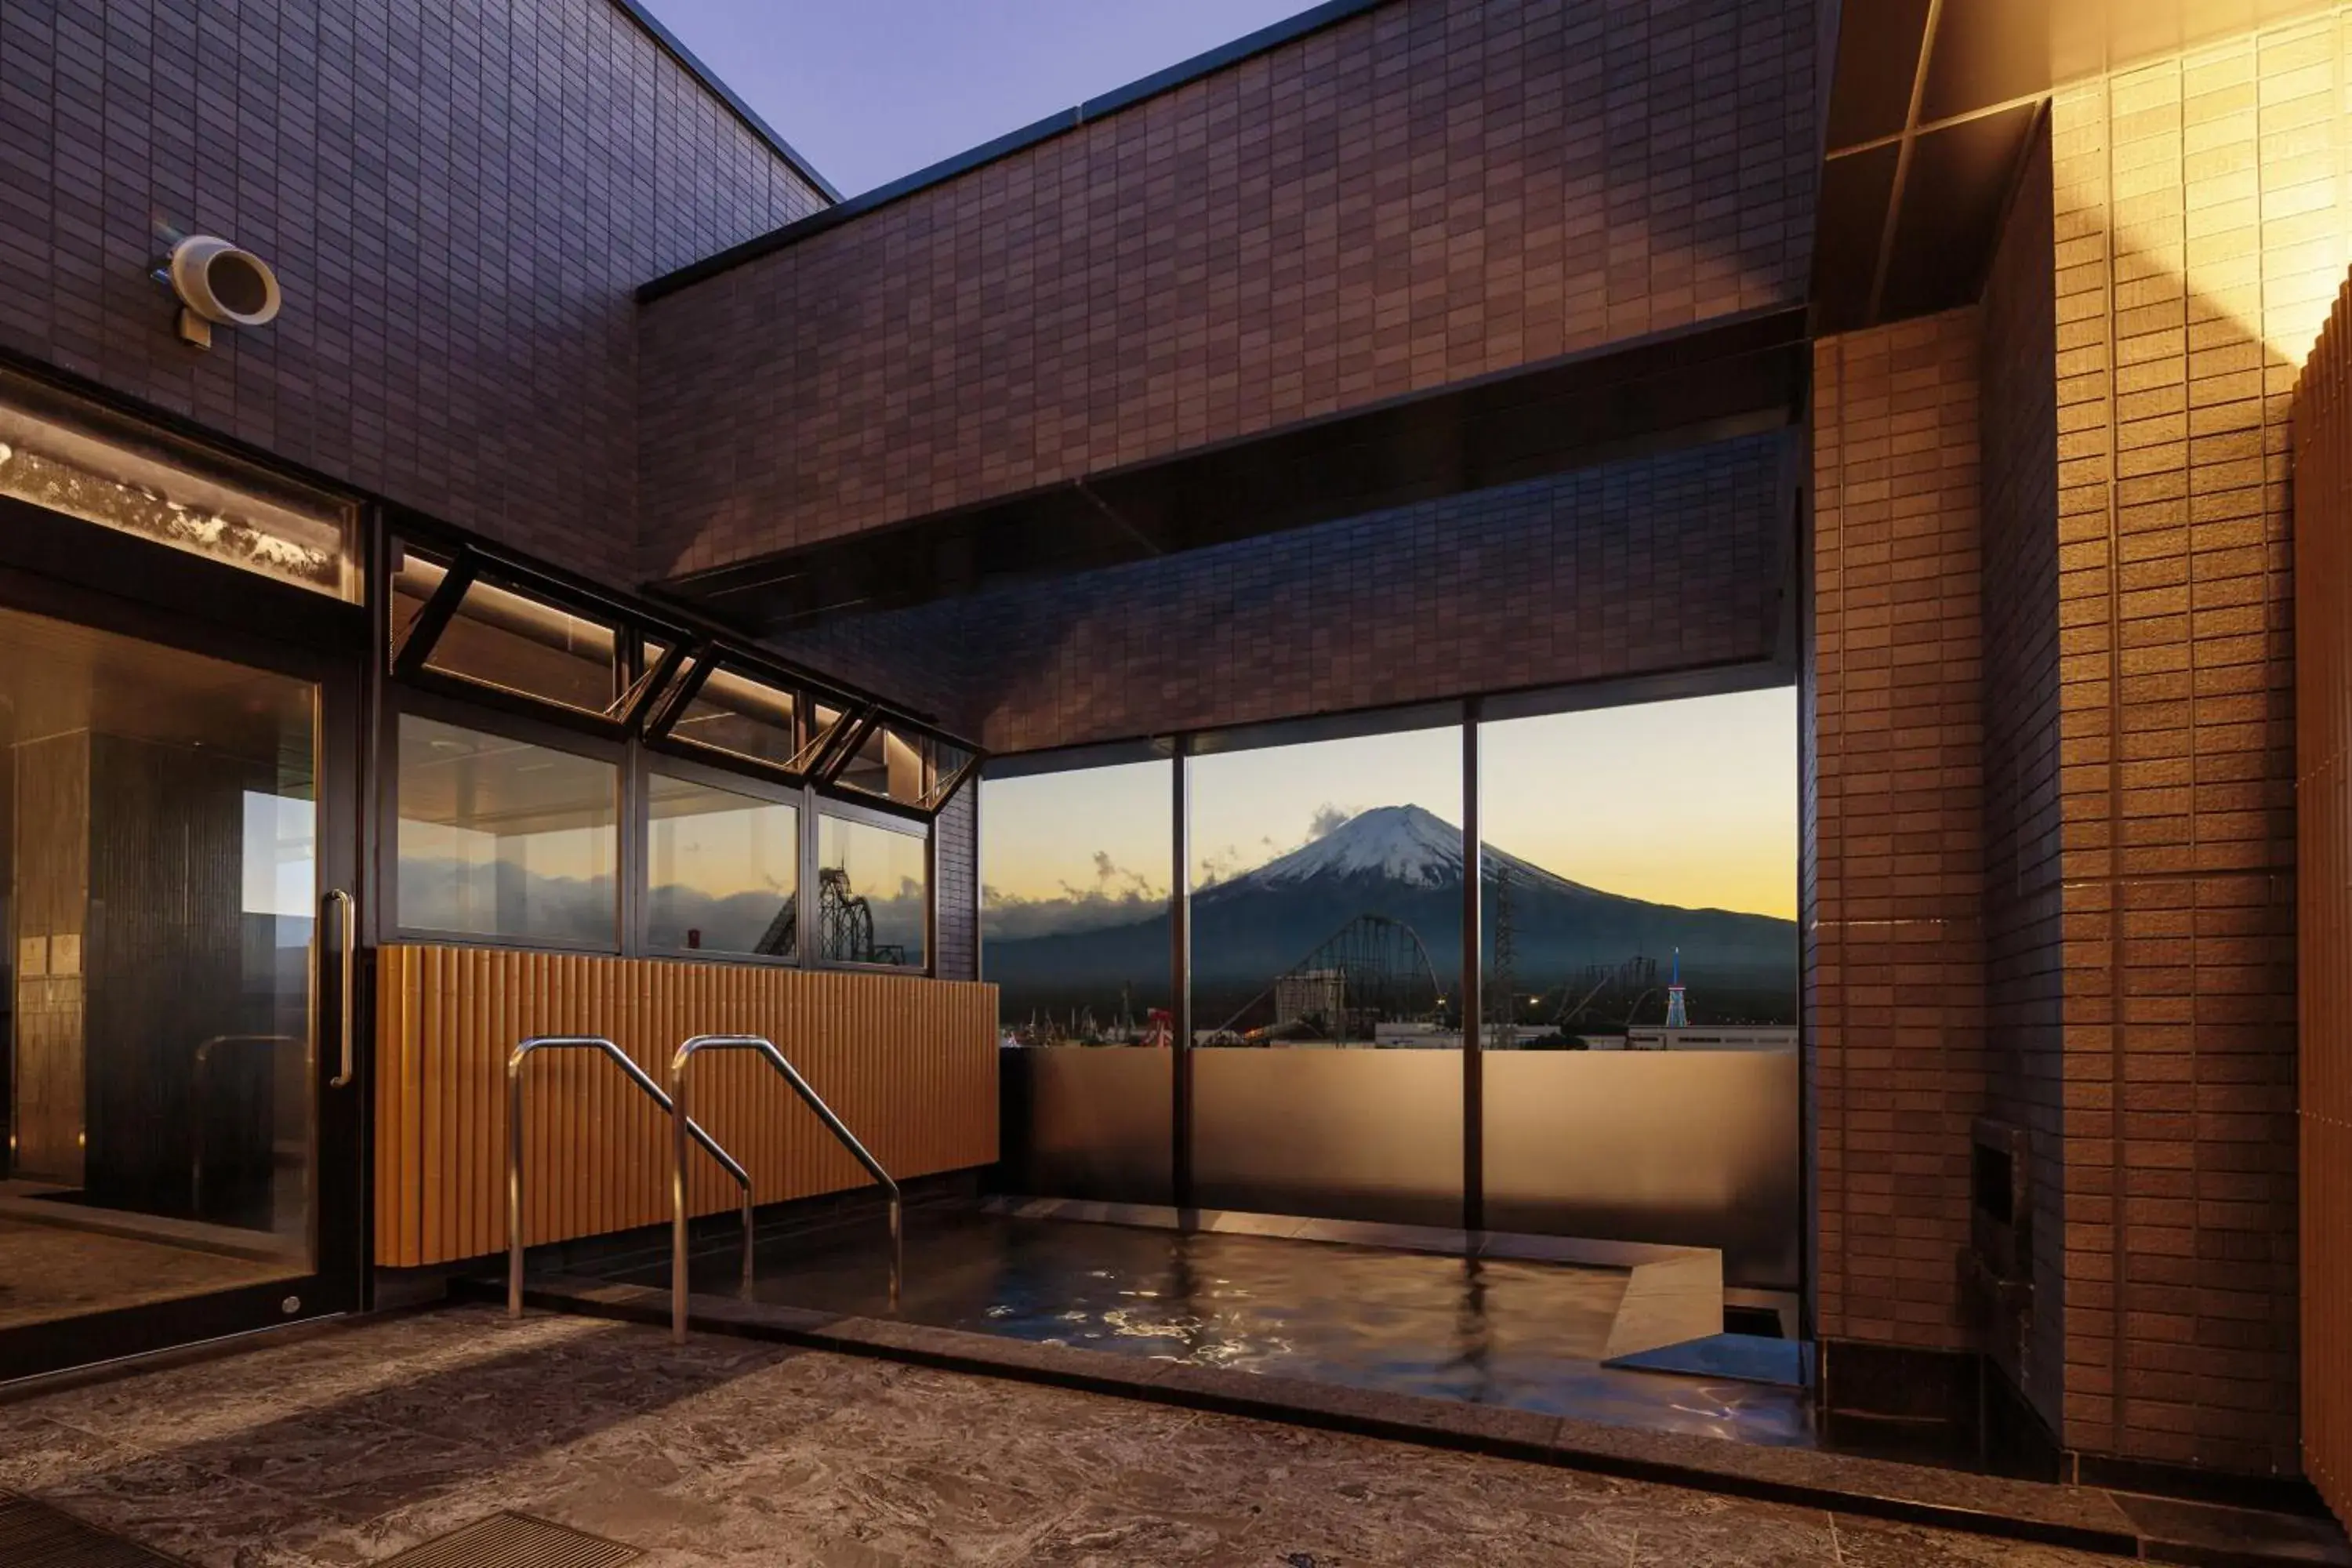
<point x="73" y="457"/>
<point x="1075" y="873"/>
<point x="158" y="883"/>
<point x="742" y="717"/>
<point x="722" y="869"/>
<point x="1326" y="912"/>
<point x="1075" y="869"/>
<point x="1639" y="899"/>
<point x="873" y="893"/>
<point x="502" y="839"/>
<point x="514" y="642"/>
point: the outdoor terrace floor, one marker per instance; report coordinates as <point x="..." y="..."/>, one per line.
<point x="348" y="1446"/>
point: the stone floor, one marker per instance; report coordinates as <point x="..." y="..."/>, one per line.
<point x="347" y="1447"/>
<point x="52" y="1271"/>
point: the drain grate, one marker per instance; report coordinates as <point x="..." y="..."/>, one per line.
<point x="511" y="1540"/>
<point x="35" y="1535"/>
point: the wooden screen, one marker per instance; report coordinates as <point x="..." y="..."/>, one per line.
<point x="909" y="1064"/>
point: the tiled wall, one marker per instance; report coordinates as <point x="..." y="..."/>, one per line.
<point x="1662" y="563"/>
<point x="1429" y="191"/>
<point x="458" y="199"/>
<point x="2024" y="1013"/>
<point x="2323" y="669"/>
<point x="2202" y="231"/>
<point x="1896" y="838"/>
<point x="955" y="839"/>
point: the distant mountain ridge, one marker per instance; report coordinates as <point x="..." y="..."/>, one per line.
<point x="1404" y="862"/>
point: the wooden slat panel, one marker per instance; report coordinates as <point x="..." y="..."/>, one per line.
<point x="2322" y="703"/>
<point x="908" y="1063"/>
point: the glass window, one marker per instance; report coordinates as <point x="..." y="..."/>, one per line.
<point x="1640" y="869"/>
<point x="721" y="868"/>
<point x="159" y="881"/>
<point x="512" y="641"/>
<point x="502" y="839"/>
<point x="1326" y="893"/>
<point x="873" y="893"/>
<point x="73" y="457"/>
<point x="1075" y="874"/>
<point x="889" y="762"/>
<point x="741" y="716"/>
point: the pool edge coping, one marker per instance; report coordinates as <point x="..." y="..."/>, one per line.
<point x="1807" y="1477"/>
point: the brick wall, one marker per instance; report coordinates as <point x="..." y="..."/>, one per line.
<point x="955" y="843"/>
<point x="1630" y="568"/>
<point x="2200" y="233"/>
<point x="1894" y="939"/>
<point x="1429" y="191"/>
<point x="458" y="199"/>
<point x="2322" y="672"/>
<point x="2023" y="894"/>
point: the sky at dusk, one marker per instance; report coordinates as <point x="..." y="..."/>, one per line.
<point x="872" y="91"/>
<point x="1691" y="803"/>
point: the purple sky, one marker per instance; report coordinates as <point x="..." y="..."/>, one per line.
<point x="871" y="90"/>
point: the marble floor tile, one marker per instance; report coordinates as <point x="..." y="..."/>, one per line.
<point x="339" y="1452"/>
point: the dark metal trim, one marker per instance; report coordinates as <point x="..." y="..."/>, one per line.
<point x="1330" y="14"/>
<point x="1180" y="966"/>
<point x="410" y="653"/>
<point x="1474" y="981"/>
<point x="718" y="88"/>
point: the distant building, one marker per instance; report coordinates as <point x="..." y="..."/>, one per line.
<point x="1714" y="1038"/>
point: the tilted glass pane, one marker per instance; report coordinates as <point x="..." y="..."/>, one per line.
<point x="502" y="839"/>
<point x="742" y="717"/>
<point x="891" y="764"/>
<point x="513" y="641"/>
<point x="722" y="869"/>
<point x="873" y="894"/>
<point x="86" y="462"/>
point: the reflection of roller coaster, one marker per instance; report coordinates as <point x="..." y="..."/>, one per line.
<point x="845" y="925"/>
<point x="1372" y="970"/>
<point x="1607" y="995"/>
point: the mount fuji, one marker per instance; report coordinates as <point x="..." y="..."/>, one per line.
<point x="1403" y="862"/>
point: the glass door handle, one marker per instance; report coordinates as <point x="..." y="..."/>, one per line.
<point x="346" y="967"/>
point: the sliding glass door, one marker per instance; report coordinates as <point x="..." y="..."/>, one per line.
<point x="176" y="856"/>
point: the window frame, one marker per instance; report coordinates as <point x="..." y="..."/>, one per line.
<point x="439" y="709"/>
<point x="769" y="791"/>
<point x="409" y="653"/>
<point x="898" y="822"/>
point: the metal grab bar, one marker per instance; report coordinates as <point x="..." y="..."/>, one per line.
<point x="203" y="1105"/>
<point x="681" y="1124"/>
<point x="644" y="1080"/>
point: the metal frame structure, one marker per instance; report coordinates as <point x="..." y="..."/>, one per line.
<point x="682" y="1127"/>
<point x="636" y="1075"/>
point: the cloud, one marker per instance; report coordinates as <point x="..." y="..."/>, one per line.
<point x="1120" y="895"/>
<point x="1328" y="819"/>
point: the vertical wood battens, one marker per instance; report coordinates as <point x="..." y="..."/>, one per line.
<point x="909" y="1065"/>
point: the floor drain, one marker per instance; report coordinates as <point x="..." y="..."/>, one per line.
<point x="511" y="1540"/>
<point x="35" y="1535"/>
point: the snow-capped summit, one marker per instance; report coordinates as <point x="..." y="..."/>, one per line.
<point x="1403" y="843"/>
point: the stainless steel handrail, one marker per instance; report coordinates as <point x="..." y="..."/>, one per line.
<point x="644" y="1080"/>
<point x="203" y="1107"/>
<point x="681" y="1123"/>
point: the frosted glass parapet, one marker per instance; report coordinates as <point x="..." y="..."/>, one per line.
<point x="86" y="462"/>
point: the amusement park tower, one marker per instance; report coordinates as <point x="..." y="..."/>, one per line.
<point x="1676" y="1019"/>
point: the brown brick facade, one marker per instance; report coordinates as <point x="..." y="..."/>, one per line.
<point x="2323" y="669"/>
<point x="1426" y="192"/>
<point x="1664" y="564"/>
<point x="457" y="200"/>
<point x="1895" y="835"/>
<point x="2024" y="897"/>
<point x="2200" y="235"/>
